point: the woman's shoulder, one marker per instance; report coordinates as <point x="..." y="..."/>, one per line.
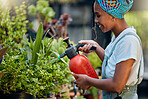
<point x="130" y="39"/>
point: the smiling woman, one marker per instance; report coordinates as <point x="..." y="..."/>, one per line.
<point x="122" y="68"/>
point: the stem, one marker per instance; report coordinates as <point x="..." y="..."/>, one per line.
<point x="39" y="17"/>
<point x="65" y="30"/>
<point x="47" y="30"/>
<point x="62" y="35"/>
<point x="1" y="74"/>
<point x="13" y="81"/>
<point x="53" y="30"/>
<point x="50" y="34"/>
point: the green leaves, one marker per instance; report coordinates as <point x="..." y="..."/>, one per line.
<point x="42" y="10"/>
<point x="38" y="79"/>
<point x="37" y="44"/>
<point x="93" y="58"/>
<point x="48" y="11"/>
<point x="32" y="10"/>
<point x="14" y="26"/>
<point x="27" y="65"/>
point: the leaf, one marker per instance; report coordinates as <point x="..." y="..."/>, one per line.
<point x="51" y="13"/>
<point x="25" y="39"/>
<point x="32" y="10"/>
<point x="31" y="43"/>
<point x="37" y="44"/>
<point x="29" y="53"/>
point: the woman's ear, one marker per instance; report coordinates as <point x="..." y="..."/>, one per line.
<point x="113" y="18"/>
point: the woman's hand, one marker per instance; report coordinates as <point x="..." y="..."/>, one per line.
<point x="82" y="81"/>
<point x="88" y="44"/>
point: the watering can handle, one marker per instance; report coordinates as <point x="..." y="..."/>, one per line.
<point x="82" y="44"/>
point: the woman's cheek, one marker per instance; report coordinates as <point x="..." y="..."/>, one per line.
<point x="105" y="29"/>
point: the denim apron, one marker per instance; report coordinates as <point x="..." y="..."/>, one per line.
<point x="129" y="92"/>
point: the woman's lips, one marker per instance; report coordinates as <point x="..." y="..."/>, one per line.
<point x="100" y="26"/>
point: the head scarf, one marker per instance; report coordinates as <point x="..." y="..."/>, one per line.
<point x="116" y="8"/>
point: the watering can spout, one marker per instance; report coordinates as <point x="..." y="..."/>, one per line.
<point x="62" y="55"/>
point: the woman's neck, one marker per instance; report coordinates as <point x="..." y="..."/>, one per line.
<point x="119" y="27"/>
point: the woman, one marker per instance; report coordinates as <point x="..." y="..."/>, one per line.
<point x="122" y="68"/>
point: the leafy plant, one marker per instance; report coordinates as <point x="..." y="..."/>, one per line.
<point x="38" y="79"/>
<point x="94" y="60"/>
<point x="12" y="27"/>
<point x="94" y="92"/>
<point x="37" y="44"/>
<point x="58" y="28"/>
<point x="42" y="10"/>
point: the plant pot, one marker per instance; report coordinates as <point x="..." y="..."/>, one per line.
<point x="21" y="95"/>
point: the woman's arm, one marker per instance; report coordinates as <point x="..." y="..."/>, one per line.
<point x="89" y="43"/>
<point x="115" y="84"/>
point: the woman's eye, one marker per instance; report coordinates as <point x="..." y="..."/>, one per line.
<point x="98" y="16"/>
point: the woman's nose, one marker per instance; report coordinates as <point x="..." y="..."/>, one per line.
<point x="96" y="20"/>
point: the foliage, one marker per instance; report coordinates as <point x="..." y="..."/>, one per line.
<point x="37" y="79"/>
<point x="42" y="11"/>
<point x="58" y="28"/>
<point x="94" y="60"/>
<point x="140" y="22"/>
<point x="17" y="71"/>
<point x="94" y="92"/>
<point x="37" y="44"/>
<point x="59" y="47"/>
<point x="55" y="27"/>
<point x="12" y="27"/>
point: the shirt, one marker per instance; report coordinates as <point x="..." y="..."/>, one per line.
<point x="128" y="47"/>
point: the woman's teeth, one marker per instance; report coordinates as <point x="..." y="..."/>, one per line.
<point x="100" y="26"/>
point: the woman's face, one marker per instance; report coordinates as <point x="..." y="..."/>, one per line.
<point x="104" y="20"/>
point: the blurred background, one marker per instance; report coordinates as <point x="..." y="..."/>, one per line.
<point x="82" y="23"/>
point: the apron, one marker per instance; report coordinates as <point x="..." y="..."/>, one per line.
<point x="129" y="92"/>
